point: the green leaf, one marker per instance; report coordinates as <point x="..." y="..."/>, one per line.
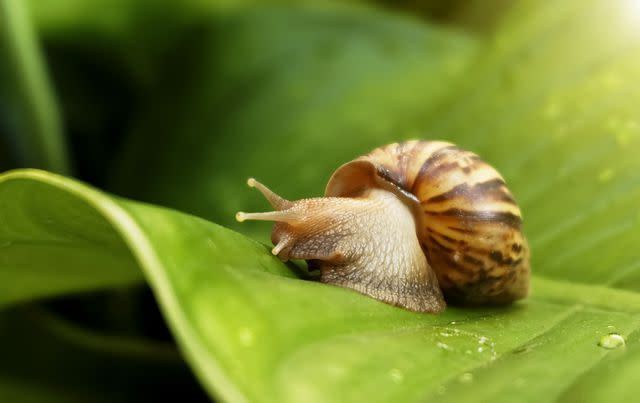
<point x="30" y="123"/>
<point x="604" y="382"/>
<point x="42" y="213"/>
<point x="69" y="237"/>
<point x="250" y="328"/>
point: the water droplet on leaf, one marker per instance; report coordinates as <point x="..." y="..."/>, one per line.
<point x="444" y="346"/>
<point x="467" y="377"/>
<point x="611" y="341"/>
<point x="396" y="375"/>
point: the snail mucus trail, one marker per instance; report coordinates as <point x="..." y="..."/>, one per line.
<point x="373" y="235"/>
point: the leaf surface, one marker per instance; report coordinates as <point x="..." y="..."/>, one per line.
<point x="250" y="327"/>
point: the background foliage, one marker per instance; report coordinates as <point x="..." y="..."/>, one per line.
<point x="176" y="103"/>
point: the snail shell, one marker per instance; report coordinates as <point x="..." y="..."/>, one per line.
<point x="408" y="223"/>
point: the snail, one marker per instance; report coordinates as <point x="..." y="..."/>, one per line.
<point x="410" y="224"/>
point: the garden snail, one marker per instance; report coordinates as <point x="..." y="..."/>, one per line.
<point x="406" y="224"/>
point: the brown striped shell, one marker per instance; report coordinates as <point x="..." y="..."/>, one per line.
<point x="467" y="221"/>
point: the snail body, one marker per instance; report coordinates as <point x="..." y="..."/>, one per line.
<point x="410" y="224"/>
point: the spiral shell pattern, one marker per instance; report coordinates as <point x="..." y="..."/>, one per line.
<point x="472" y="233"/>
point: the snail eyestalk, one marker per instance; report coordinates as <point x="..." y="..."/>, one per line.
<point x="283" y="242"/>
<point x="274" y="199"/>
<point x="283" y="213"/>
<point x="279" y="216"/>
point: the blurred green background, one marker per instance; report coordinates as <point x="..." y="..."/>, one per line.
<point x="176" y="103"/>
